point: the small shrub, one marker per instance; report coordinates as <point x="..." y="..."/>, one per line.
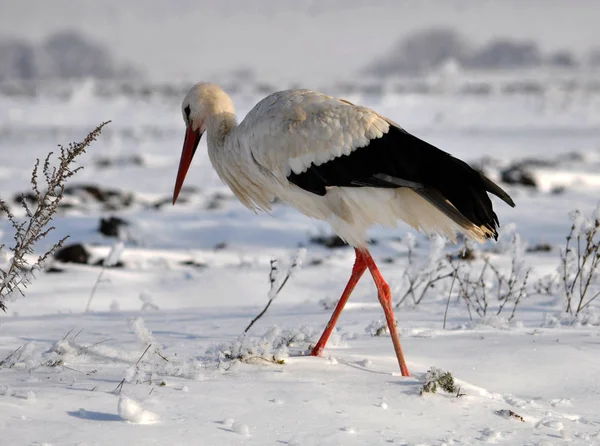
<point x="437" y="378"/>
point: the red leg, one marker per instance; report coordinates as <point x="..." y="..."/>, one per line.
<point x="360" y="265"/>
<point x="385" y="299"/>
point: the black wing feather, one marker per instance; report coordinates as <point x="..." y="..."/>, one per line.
<point x="399" y="159"/>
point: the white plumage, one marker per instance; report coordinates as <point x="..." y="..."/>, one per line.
<point x="290" y="130"/>
<point x="339" y="162"/>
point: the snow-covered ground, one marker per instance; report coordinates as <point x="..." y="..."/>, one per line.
<point x="154" y="362"/>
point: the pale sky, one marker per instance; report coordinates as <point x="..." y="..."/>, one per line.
<point x="304" y="40"/>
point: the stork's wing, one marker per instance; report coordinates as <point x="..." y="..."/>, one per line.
<point x="318" y="142"/>
<point x="291" y="130"/>
<point x="399" y="159"/>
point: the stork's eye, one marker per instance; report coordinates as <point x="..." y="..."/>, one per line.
<point x="187" y="113"/>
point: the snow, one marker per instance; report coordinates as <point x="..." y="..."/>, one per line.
<point x="161" y="357"/>
<point x="240" y="428"/>
<point x="131" y="410"/>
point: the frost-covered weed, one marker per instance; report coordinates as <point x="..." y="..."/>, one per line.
<point x="548" y="285"/>
<point x="143" y="334"/>
<point x="435" y="379"/>
<point x="486" y="289"/>
<point x="498" y="322"/>
<point x="69" y="353"/>
<point x="66" y="353"/>
<point x="148" y="366"/>
<point x="378" y="328"/>
<point x="580" y="262"/>
<point x="587" y="318"/>
<point x="248" y="350"/>
<point x="155" y="370"/>
<point x="483" y="285"/>
<point x="21" y="357"/>
<point x="292" y="337"/>
<point x="18" y="272"/>
<point x="272" y="347"/>
<point x="152" y="366"/>
<point x="422" y="276"/>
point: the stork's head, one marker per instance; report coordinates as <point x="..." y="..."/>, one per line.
<point x="200" y="107"/>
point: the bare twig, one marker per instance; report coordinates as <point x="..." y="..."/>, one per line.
<point x="119" y="388"/>
<point x="454" y="274"/>
<point x="143" y="354"/>
<point x="68" y="333"/>
<point x="258" y="316"/>
<point x="274" y="290"/>
<point x="161" y="355"/>
<point x="111" y="259"/>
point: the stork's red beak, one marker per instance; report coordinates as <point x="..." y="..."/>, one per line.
<point x="192" y="138"/>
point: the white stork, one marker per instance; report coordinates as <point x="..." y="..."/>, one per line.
<point x="342" y="163"/>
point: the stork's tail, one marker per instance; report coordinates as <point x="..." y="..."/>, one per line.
<point x="469" y="206"/>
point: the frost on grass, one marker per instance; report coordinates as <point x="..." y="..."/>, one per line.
<point x="378" y="328"/>
<point x="153" y="366"/>
<point x="273" y="347"/>
<point x="438" y="379"/>
<point x="23" y="356"/>
<point x="141" y="332"/>
<point x="590" y="317"/>
<point x="17" y="273"/>
<point x="66" y="353"/>
<point x="498" y="322"/>
<point x="248" y="350"/>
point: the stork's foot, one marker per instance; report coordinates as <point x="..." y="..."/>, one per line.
<point x="386" y="303"/>
<point x="318" y="350"/>
<point x="362" y="262"/>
